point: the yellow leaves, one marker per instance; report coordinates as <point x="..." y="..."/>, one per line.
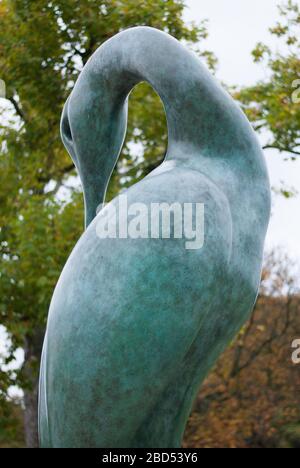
<point x="279" y="30"/>
<point x="260" y="51"/>
<point x="292" y="40"/>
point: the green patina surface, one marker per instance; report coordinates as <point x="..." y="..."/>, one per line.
<point x="135" y="325"/>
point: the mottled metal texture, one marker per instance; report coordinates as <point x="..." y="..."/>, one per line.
<point x="135" y="325"/>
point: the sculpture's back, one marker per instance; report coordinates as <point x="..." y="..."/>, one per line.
<point x="135" y="324"/>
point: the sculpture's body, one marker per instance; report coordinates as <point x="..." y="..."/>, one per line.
<point x="135" y="325"/>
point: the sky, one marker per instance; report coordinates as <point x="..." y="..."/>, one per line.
<point x="235" y="27"/>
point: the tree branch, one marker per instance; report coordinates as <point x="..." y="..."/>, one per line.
<point x="286" y="150"/>
<point x="18" y="109"/>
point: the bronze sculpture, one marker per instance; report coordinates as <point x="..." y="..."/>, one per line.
<point x="136" y="324"/>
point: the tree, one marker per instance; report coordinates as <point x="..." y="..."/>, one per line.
<point x="43" y="46"/>
<point x="273" y="105"/>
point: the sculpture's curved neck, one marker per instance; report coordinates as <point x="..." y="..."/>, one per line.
<point x="204" y="124"/>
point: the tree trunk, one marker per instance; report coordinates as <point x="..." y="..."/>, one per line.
<point x="31" y="417"/>
<point x="33" y="349"/>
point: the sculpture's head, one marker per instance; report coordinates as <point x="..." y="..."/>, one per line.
<point x="93" y="129"/>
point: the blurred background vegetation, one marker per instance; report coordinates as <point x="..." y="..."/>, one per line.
<point x="252" y="398"/>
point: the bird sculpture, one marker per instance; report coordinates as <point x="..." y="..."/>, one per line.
<point x="136" y="322"/>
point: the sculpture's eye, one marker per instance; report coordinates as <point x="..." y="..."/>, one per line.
<point x="66" y="129"/>
<point x="66" y="133"/>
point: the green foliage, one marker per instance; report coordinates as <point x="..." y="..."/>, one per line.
<point x="11" y="425"/>
<point x="43" y="47"/>
<point x="273" y="104"/>
<point x="290" y="436"/>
